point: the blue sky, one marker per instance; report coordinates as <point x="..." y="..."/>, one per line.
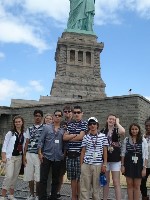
<point x="29" y="30"/>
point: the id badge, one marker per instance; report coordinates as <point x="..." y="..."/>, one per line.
<point x="135" y="159"/>
<point x="56" y="141"/>
<point x="95" y="155"/>
<point x="32" y="144"/>
<point x="110" y="149"/>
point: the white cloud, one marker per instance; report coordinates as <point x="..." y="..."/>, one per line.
<point x="2" y="55"/>
<point x="57" y="9"/>
<point x="21" y="34"/>
<point x="36" y="85"/>
<point x="148" y="98"/>
<point x="17" y="30"/>
<point x="24" y="21"/>
<point x="10" y="89"/>
<point x="143" y="8"/>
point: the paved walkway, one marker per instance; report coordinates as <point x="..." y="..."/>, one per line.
<point x="22" y="191"/>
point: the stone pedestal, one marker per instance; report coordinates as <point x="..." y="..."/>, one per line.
<point x="78" y="67"/>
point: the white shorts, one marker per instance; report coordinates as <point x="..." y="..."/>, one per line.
<point x="113" y="166"/>
<point x="32" y="168"/>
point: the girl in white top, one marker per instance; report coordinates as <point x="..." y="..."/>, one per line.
<point x="12" y="155"/>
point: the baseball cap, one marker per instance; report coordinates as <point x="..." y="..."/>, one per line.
<point x="92" y="119"/>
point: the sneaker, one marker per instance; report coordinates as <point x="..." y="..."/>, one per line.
<point x="11" y="197"/>
<point x="36" y="198"/>
<point x="31" y="197"/>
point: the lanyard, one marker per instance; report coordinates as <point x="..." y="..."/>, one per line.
<point x="109" y="136"/>
<point x="134" y="147"/>
<point x="94" y="142"/>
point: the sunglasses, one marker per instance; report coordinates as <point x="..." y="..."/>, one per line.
<point x="92" y="123"/>
<point x="78" y="112"/>
<point x="37" y="116"/>
<point x="58" y="115"/>
<point x="67" y="111"/>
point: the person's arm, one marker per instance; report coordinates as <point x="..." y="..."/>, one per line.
<point x="41" y="143"/>
<point x="5" y="144"/>
<point x="40" y="154"/>
<point x="67" y="136"/>
<point x="145" y="156"/>
<point x="104" y="165"/>
<point x="27" y="140"/>
<point x="78" y="137"/>
<point x="123" y="151"/>
<point x="122" y="165"/>
<point x="121" y="130"/>
<point x="82" y="155"/>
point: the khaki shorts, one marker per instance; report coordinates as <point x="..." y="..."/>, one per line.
<point x="13" y="166"/>
<point x="32" y="168"/>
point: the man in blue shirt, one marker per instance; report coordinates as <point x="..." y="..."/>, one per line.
<point x="50" y="154"/>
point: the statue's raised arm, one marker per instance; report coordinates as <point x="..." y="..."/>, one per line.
<point x="81" y="16"/>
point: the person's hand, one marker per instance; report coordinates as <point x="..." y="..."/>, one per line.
<point x="122" y="169"/>
<point x="24" y="160"/>
<point x="117" y="120"/>
<point x="103" y="168"/>
<point x="143" y="172"/>
<point x="41" y="157"/>
<point x="4" y="157"/>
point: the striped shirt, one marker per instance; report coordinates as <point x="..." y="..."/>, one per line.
<point x="132" y="148"/>
<point x="76" y="128"/>
<point x="33" y="133"/>
<point x="94" y="148"/>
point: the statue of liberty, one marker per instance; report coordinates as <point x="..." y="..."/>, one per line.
<point x="81" y="16"/>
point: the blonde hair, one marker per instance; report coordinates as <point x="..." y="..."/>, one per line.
<point x="46" y="115"/>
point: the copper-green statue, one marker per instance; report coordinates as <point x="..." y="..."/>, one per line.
<point x="81" y="16"/>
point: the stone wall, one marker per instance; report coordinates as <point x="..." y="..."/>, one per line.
<point x="130" y="108"/>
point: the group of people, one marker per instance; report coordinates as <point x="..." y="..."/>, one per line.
<point x="53" y="146"/>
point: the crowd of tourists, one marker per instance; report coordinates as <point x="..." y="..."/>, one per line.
<point x="63" y="143"/>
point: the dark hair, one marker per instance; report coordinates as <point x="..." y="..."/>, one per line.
<point x="67" y="107"/>
<point x="58" y="111"/>
<point x="78" y="107"/>
<point x="38" y="111"/>
<point x="14" y="127"/>
<point x="147" y="120"/>
<point x="139" y="136"/>
<point x="106" y="125"/>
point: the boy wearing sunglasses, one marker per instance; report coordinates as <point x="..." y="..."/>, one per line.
<point x="93" y="160"/>
<point x="74" y="135"/>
